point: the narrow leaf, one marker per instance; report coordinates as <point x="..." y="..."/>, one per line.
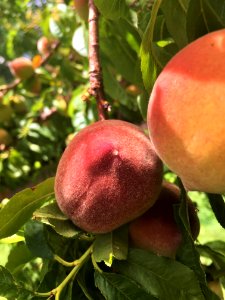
<point x="8" y="286"/>
<point x="176" y="10"/>
<point x="209" y="250"/>
<point x="111" y="245"/>
<point x="19" y="255"/>
<point x="162" y="277"/>
<point x="113" y="9"/>
<point x="215" y="13"/>
<point x="119" y="287"/>
<point x="149" y="64"/>
<point x="188" y="253"/>
<point x="196" y="20"/>
<point x="218" y="206"/>
<point x="64" y="227"/>
<point x="21" y="207"/>
<point x="50" y="211"/>
<point x="36" y="240"/>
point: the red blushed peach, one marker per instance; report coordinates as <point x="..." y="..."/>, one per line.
<point x="108" y="175"/>
<point x="186" y="114"/>
<point x="156" y="230"/>
<point x="21" y="68"/>
<point x="44" y="45"/>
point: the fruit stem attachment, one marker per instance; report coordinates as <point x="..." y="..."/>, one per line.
<point x="95" y="71"/>
<point x="65" y="263"/>
<point x="78" y="263"/>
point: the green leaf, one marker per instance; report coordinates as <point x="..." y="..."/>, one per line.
<point x="21" y="207"/>
<point x="143" y="104"/>
<point x="176" y="10"/>
<point x="111" y="245"/>
<point x="119" y="287"/>
<point x="77" y="108"/>
<point x="218" y="246"/>
<point x="12" y="239"/>
<point x="69" y="291"/>
<point x="25" y="294"/>
<point x="211" y="251"/>
<point x="218" y="206"/>
<point x="164" y="51"/>
<point x="19" y="255"/>
<point x="149" y="64"/>
<point x="50" y="211"/>
<point x="187" y="253"/>
<point x="8" y="287"/>
<point x="122" y="57"/>
<point x="196" y="20"/>
<point x="162" y="277"/>
<point x="112" y="9"/>
<point x="53" y="216"/>
<point x="215" y="13"/>
<point x="64" y="228"/>
<point x="114" y="89"/>
<point x="36" y="240"/>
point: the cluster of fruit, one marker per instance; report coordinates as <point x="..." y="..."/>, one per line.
<point x="23" y="68"/>
<point x="110" y="174"/>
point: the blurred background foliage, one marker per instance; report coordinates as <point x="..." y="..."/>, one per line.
<point x="40" y="123"/>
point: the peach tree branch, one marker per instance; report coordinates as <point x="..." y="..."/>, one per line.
<point x="95" y="72"/>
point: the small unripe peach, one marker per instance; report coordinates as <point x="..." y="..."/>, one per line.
<point x="133" y="90"/>
<point x="156" y="230"/>
<point x="5" y="138"/>
<point x="108" y="175"/>
<point x="21" y="68"/>
<point x="44" y="45"/>
<point x="82" y="8"/>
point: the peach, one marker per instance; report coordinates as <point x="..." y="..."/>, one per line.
<point x="21" y="68"/>
<point x="5" y="138"/>
<point x="186" y="114"/>
<point x="81" y="7"/>
<point x="156" y="230"/>
<point x="108" y="175"/>
<point x="44" y="45"/>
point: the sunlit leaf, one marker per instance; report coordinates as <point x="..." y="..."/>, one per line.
<point x="21" y="207"/>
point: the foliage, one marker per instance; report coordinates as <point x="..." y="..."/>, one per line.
<point x="45" y="253"/>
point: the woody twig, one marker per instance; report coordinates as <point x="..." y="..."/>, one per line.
<point x="95" y="72"/>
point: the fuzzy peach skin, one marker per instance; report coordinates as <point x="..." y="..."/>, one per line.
<point x="21" y="67"/>
<point x="108" y="175"/>
<point x="156" y="230"/>
<point x="186" y="114"/>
